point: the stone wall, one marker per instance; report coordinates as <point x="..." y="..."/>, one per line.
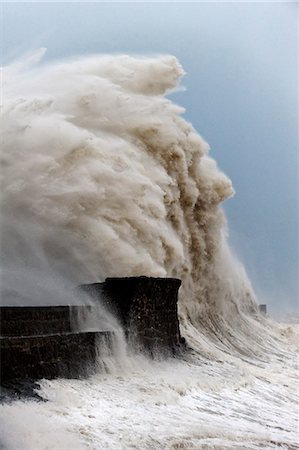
<point x="45" y="342"/>
<point x="146" y="306"/>
<point x="69" y="355"/>
<point x="34" y="320"/>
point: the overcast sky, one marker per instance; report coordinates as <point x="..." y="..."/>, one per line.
<point x="241" y="95"/>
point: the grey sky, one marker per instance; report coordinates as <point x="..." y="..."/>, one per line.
<point x="242" y="96"/>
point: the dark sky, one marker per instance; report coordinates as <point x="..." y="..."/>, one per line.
<point x="241" y="95"/>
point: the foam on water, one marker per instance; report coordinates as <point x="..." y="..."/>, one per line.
<point x="102" y="177"/>
<point x="161" y="405"/>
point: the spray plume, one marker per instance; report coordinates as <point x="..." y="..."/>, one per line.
<point x="103" y="177"/>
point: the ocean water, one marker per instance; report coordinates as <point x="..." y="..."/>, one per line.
<point x="136" y="403"/>
<point x="102" y="176"/>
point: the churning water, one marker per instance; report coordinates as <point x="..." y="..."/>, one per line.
<point x="103" y="177"/>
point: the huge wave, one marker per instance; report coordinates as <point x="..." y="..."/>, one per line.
<point x="102" y="176"/>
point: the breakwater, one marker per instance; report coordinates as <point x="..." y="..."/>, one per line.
<point x="46" y="341"/>
<point x="145" y="306"/>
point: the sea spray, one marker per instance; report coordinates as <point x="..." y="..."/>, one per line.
<point x="102" y="177"/>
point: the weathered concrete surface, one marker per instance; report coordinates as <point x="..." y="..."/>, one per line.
<point x="146" y="306"/>
<point x="41" y="342"/>
<point x="38" y="320"/>
<point x="69" y="355"/>
<point x="44" y="342"/>
<point x="32" y="320"/>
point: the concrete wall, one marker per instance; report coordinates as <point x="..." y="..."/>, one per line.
<point x="39" y="342"/>
<point x="146" y="306"/>
<point x="43" y="342"/>
<point x="68" y="355"/>
<point x="33" y="320"/>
